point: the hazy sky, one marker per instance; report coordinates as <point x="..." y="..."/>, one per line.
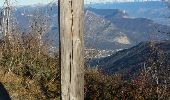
<point x="27" y="2"/>
<point x="30" y="2"/>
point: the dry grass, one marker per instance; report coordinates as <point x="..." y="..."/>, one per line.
<point x="27" y="71"/>
<point x="20" y="88"/>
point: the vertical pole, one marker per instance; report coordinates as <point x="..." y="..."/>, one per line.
<point x="71" y="13"/>
<point x="6" y="22"/>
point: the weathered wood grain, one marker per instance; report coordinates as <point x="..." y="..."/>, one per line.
<point x="71" y="20"/>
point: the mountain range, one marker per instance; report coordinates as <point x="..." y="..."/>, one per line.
<point x="104" y="28"/>
<point x="111" y="29"/>
<point x="117" y="1"/>
<point x="155" y="10"/>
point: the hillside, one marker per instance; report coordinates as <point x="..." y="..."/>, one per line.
<point x="126" y="58"/>
<point x="104" y="28"/>
<point x="131" y="61"/>
<point x="113" y="29"/>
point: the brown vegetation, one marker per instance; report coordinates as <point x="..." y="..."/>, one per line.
<point x="29" y="73"/>
<point x="33" y="75"/>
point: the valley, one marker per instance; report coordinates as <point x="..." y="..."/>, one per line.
<point x="108" y="30"/>
<point x="126" y="51"/>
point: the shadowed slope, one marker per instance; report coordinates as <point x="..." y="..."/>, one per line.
<point x="3" y="93"/>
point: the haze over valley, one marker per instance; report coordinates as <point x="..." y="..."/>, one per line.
<point x="109" y="27"/>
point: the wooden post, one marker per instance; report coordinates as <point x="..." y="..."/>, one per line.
<point x="71" y="13"/>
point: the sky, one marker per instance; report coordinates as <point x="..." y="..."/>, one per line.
<point x="31" y="2"/>
<point x="27" y="2"/>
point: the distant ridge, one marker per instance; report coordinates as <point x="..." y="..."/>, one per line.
<point x="131" y="61"/>
<point x="117" y="1"/>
